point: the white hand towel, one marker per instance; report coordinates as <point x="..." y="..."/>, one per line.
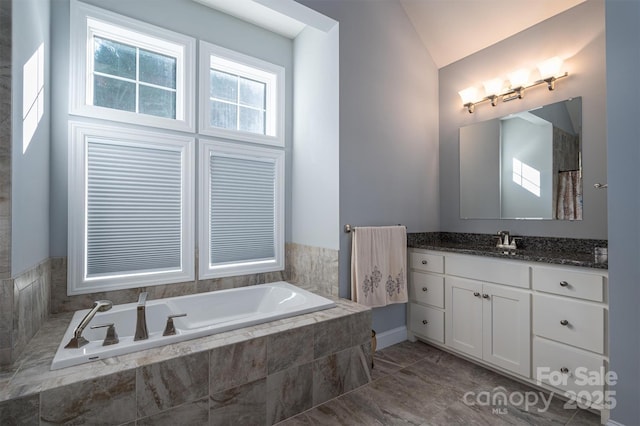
<point x="378" y="265"/>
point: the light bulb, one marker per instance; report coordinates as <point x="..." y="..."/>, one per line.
<point x="492" y="87"/>
<point x="519" y="78"/>
<point x="550" y="68"/>
<point x="469" y="95"/>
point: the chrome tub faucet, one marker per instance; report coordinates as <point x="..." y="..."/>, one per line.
<point x="77" y="341"/>
<point x="141" y="322"/>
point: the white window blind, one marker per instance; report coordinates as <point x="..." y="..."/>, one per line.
<point x="134" y="199"/>
<point x="242" y="209"/>
<point x="242" y="205"/>
<point x="130" y="208"/>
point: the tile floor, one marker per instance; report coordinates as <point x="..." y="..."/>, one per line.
<point x="418" y="384"/>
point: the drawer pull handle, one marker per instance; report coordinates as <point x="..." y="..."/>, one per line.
<point x="424" y="262"/>
<point x="485" y="296"/>
<point x="425" y="322"/>
<point x="424" y="289"/>
<point x="564" y="322"/>
<point x="476" y="294"/>
<point x="564" y="284"/>
<point x="564" y="370"/>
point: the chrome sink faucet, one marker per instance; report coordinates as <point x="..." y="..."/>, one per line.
<point x="141" y="322"/>
<point x="77" y="341"/>
<point x="505" y="241"/>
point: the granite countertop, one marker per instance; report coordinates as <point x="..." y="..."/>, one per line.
<point x="31" y="373"/>
<point x="559" y="251"/>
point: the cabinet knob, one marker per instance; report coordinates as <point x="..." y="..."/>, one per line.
<point x="485" y="296"/>
<point x="425" y="322"/>
<point x="564" y="322"/>
<point x="564" y="284"/>
<point x="424" y="262"/>
<point x="424" y="289"/>
<point x="476" y="294"/>
<point x="564" y="370"/>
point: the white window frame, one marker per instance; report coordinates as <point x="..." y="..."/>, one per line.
<point x="212" y="56"/>
<point x="79" y="133"/>
<point x="206" y="270"/>
<point x="89" y="21"/>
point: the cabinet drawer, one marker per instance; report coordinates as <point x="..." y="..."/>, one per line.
<point x="426" y="288"/>
<point x="569" y="283"/>
<point x="426" y="322"/>
<point x="426" y="262"/>
<point x="551" y="357"/>
<point x="489" y="270"/>
<point x="572" y="322"/>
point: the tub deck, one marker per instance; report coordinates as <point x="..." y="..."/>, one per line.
<point x="206" y="314"/>
<point x="325" y="353"/>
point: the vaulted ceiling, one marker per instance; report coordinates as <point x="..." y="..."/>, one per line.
<point x="449" y="29"/>
<point x="453" y="29"/>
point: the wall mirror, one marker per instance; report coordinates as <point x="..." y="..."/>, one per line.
<point x="524" y="166"/>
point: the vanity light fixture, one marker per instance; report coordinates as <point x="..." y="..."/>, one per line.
<point x="518" y="82"/>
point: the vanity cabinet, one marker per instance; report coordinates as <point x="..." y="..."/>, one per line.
<point x="532" y="320"/>
<point x="490" y="322"/>
<point x="569" y="327"/>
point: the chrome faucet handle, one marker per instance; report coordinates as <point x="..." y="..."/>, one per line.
<point x="112" y="337"/>
<point x="170" y="328"/>
<point x="513" y="242"/>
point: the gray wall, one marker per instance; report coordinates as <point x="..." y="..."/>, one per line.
<point x="316" y="140"/>
<point x="388" y="128"/>
<point x="29" y="170"/>
<point x="576" y="35"/>
<point x="623" y="150"/>
<point x="183" y="16"/>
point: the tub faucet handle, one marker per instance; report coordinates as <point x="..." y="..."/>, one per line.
<point x="112" y="337"/>
<point x="170" y="328"/>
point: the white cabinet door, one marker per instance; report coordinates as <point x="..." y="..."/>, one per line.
<point x="464" y="315"/>
<point x="507" y="328"/>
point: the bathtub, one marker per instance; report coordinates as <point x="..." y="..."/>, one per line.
<point x="207" y="313"/>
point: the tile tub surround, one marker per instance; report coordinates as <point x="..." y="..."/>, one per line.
<point x="313" y="268"/>
<point x="308" y="265"/>
<point x="5" y="140"/>
<point x="560" y="251"/>
<point x="244" y="376"/>
<point x="24" y="308"/>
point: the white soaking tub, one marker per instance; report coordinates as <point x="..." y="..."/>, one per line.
<point x="207" y="313"/>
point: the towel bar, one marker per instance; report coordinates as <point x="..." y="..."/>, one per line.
<point x="348" y="228"/>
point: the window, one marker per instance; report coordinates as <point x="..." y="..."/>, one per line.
<point x="126" y="70"/>
<point x="241" y="97"/>
<point x="130" y="208"/>
<point x="131" y="191"/>
<point x="241" y="209"/>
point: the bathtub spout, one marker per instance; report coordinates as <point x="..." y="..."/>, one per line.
<point x="77" y="341"/>
<point x="141" y="322"/>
